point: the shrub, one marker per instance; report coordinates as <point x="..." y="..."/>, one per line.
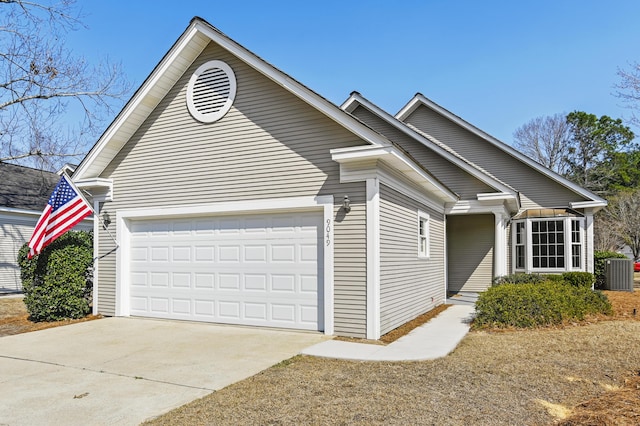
<point x="58" y="282"/>
<point x="519" y="278"/>
<point x="537" y="304"/>
<point x="579" y="279"/>
<point x="598" y="265"/>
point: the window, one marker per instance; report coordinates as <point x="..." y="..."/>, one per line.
<point x="423" y="235"/>
<point x="548" y="244"/>
<point x="520" y="246"/>
<point x="576" y="244"/>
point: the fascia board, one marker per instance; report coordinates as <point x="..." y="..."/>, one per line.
<point x="301" y="91"/>
<point x="135" y="103"/>
<point x="420" y="99"/>
<point x="588" y="204"/>
<point x="397" y="160"/>
<point x="199" y="26"/>
<point x="356" y="99"/>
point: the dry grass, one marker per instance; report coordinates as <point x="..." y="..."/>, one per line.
<point x="577" y="375"/>
<point x="14" y="318"/>
<point x="533" y="377"/>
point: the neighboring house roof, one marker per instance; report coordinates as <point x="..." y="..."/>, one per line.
<point x="24" y="188"/>
<point x="420" y="100"/>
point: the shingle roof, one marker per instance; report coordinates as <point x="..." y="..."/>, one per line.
<point x="25" y="188"/>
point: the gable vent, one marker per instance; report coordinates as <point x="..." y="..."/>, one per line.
<point x="211" y="91"/>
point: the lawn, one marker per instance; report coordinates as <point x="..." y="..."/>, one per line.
<point x="534" y="377"/>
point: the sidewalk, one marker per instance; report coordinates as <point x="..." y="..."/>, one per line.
<point x="432" y="340"/>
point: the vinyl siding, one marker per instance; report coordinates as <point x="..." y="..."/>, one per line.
<point x="536" y="190"/>
<point x="269" y="145"/>
<point x="409" y="286"/>
<point x="470" y="252"/>
<point x="14" y="232"/>
<point x="459" y="181"/>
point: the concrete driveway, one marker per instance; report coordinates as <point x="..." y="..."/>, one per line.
<point x="122" y="371"/>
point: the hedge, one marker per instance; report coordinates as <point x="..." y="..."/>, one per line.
<point x="538" y="304"/>
<point x="58" y="282"/>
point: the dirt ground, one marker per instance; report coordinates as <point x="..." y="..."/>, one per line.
<point x="587" y="374"/>
<point x="14" y="318"/>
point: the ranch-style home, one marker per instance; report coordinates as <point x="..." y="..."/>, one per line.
<point x="238" y="195"/>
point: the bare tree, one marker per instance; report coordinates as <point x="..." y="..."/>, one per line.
<point x="605" y="236"/>
<point x="623" y="216"/>
<point x="545" y="139"/>
<point x="43" y="86"/>
<point x="629" y="90"/>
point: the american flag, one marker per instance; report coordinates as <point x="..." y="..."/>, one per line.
<point x="66" y="207"/>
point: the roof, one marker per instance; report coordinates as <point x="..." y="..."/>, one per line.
<point x="25" y="188"/>
<point x="172" y="66"/>
<point x="420" y="100"/>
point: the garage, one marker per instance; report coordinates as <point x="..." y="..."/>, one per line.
<point x="257" y="269"/>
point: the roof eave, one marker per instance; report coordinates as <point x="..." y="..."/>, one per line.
<point x="420" y="99"/>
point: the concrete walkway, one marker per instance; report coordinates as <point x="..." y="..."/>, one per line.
<point x="432" y="340"/>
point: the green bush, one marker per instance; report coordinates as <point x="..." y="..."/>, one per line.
<point x="519" y="278"/>
<point x="598" y="265"/>
<point x="537" y="304"/>
<point x="579" y="279"/>
<point x="58" y="282"/>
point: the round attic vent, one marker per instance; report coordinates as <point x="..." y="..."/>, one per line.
<point x="211" y="91"/>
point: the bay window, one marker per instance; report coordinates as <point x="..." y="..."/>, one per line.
<point x="548" y="240"/>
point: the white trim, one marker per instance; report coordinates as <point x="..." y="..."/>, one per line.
<point x="211" y="117"/>
<point x="96" y="250"/>
<point x="568" y="261"/>
<point x="500" y="245"/>
<point x="390" y="179"/>
<point x="357" y="99"/>
<point x="446" y="259"/>
<point x="420" y="99"/>
<point x="588" y="204"/>
<point x="424" y="216"/>
<point x="21" y="211"/>
<point x="588" y="240"/>
<point x="322" y="203"/>
<point x="187" y="49"/>
<point x="395" y="159"/>
<point x="105" y="185"/>
<point x="373" y="258"/>
<point x="475" y="207"/>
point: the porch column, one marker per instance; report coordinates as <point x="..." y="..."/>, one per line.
<point x="500" y="245"/>
<point x="588" y="243"/>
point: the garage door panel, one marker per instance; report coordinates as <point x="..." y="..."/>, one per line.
<point x="254" y="270"/>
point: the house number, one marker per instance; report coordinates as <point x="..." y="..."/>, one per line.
<point x="328" y="232"/>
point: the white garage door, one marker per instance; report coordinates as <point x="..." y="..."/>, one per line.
<point x="263" y="270"/>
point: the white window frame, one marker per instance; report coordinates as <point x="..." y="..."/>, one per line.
<point x="423" y="234"/>
<point x="568" y="245"/>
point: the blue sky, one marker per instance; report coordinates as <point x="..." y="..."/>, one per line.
<point x="497" y="64"/>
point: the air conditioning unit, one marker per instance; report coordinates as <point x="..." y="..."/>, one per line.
<point x="618" y="274"/>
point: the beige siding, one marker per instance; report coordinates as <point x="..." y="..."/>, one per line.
<point x="409" y="286"/>
<point x="536" y="189"/>
<point x="459" y="181"/>
<point x="14" y="232"/>
<point x="269" y="145"/>
<point x="470" y="252"/>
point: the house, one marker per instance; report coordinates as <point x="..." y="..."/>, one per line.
<point x="238" y="195"/>
<point x="24" y="193"/>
